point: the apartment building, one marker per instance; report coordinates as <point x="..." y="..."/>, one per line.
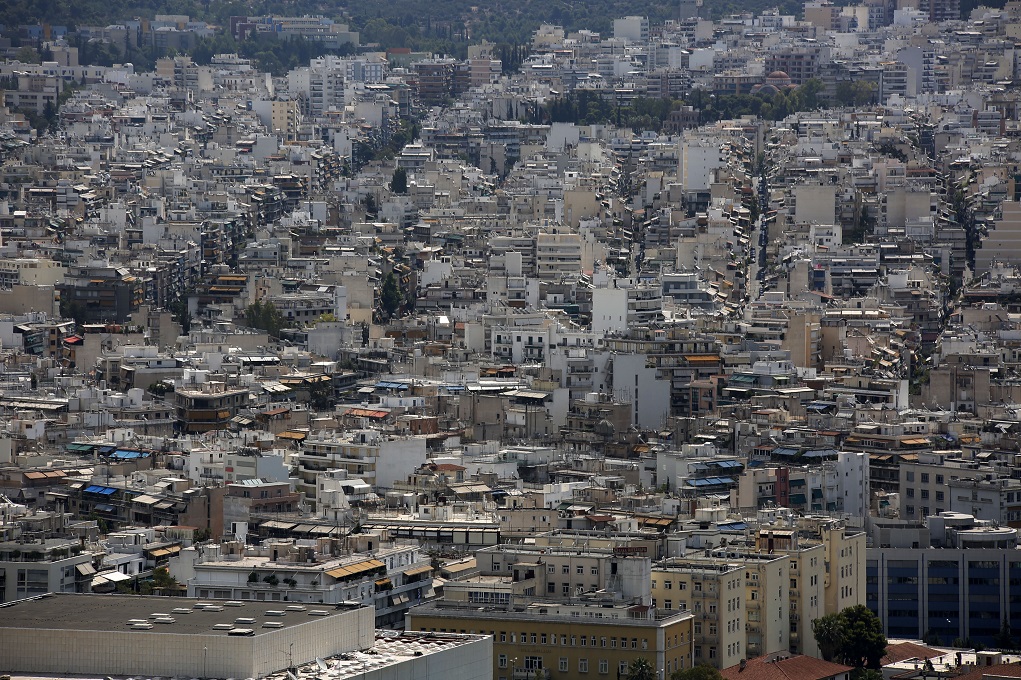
<point x="373" y="456"/>
<point x="714" y="593"/>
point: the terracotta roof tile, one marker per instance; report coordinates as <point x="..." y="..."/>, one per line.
<point x="782" y="667"/>
<point x="908" y="650"/>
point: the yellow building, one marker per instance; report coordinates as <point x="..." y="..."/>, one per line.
<point x="827" y="572"/>
<point x="558" y="641"/>
<point x="714" y="593"/>
<point x="766" y="579"/>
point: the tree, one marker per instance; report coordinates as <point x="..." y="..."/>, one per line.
<point x="699" y="672"/>
<point x="640" y="669"/>
<point x="399" y="182"/>
<point x="854" y="636"/>
<point x="390" y="295"/>
<point x="265" y="317"/>
<point x="1004" y="639"/>
<point x="829" y="635"/>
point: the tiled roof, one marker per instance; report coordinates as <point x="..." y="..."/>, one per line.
<point x="908" y="650"/>
<point x="1000" y="671"/>
<point x="782" y="667"/>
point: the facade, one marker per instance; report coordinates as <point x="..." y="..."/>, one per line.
<point x="571" y="641"/>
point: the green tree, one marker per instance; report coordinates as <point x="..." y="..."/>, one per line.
<point x="1004" y="639"/>
<point x="399" y="182"/>
<point x="863" y="641"/>
<point x="699" y="672"/>
<point x="640" y="669"/>
<point x="829" y="635"/>
<point x="390" y="296"/>
<point x="265" y="317"/>
<point x="162" y="580"/>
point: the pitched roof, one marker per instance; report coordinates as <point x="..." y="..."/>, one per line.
<point x="781" y="667"/>
<point x="1003" y="670"/>
<point x="908" y="650"/>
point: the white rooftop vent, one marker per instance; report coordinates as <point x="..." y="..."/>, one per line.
<point x="141" y="626"/>
<point x="318" y="612"/>
<point x="273" y="624"/>
<point x="223" y="626"/>
<point x="233" y="603"/>
<point x="295" y="608"/>
<point x="275" y="612"/>
<point x="244" y="621"/>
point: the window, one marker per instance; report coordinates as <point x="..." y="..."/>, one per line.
<point x="939" y="479"/>
<point x="668" y="585"/>
<point x="551" y="587"/>
<point x="579" y="569"/>
<point x="565" y="569"/>
<point x="496" y="566"/>
<point x="551" y="569"/>
<point x="911" y="493"/>
<point x="925" y="478"/>
<point x="503" y="636"/>
<point x="562" y="666"/>
<point x="622" y="667"/>
<point x="533" y="639"/>
<point x="939" y="495"/>
<point x="668" y="604"/>
<point x="542" y="638"/>
<point x="604" y="666"/>
<point x="925" y="494"/>
<point x="583" y="665"/>
<point x="602" y="642"/>
<point x="594" y="571"/>
<point x="909" y="476"/>
<point x="502" y="661"/>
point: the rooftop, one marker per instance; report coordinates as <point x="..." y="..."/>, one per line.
<point x="389" y="649"/>
<point x="112" y="613"/>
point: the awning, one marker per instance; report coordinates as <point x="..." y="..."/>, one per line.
<point x="102" y="490"/>
<point x="166" y="552"/>
<point x="85" y="569"/>
<point x="356" y="569"/>
<point x="382" y="582"/>
<point x="145" y="500"/>
<point x="397" y="600"/>
<point x="416" y="571"/>
<point x="164" y="505"/>
<point x="103" y="507"/>
<point x="109" y="577"/>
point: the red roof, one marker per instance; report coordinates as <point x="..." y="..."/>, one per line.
<point x="908" y="650"/>
<point x="1003" y="670"/>
<point x="781" y="667"/>
<point x="448" y="467"/>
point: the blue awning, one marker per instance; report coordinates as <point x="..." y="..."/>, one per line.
<point x="104" y="490"/>
<point x="126" y="454"/>
<point x="732" y="526"/>
<point x="103" y="507"/>
<point x="727" y="464"/>
<point x="384" y="385"/>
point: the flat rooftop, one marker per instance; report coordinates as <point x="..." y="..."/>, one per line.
<point x="111" y="613"/>
<point x="389" y="649"/>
